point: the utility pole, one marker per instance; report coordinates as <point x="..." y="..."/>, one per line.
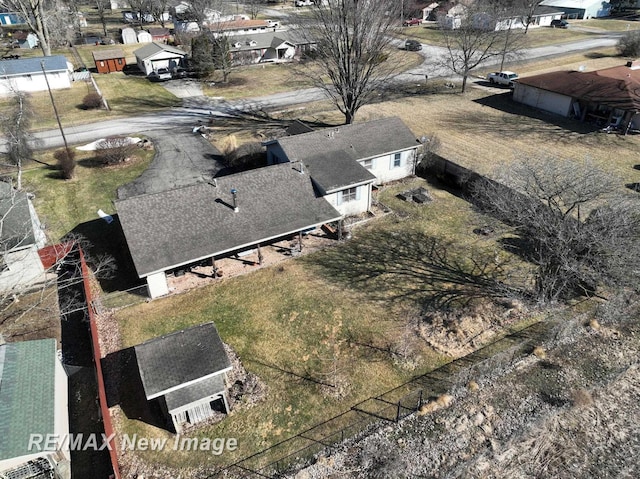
<point x="55" y="110"/>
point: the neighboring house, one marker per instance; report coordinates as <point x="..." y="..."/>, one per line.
<point x="153" y="56"/>
<point x="427" y="12"/>
<point x="581" y="9"/>
<point x="240" y="27"/>
<point x="107" y="61"/>
<point x="129" y="36"/>
<point x="186" y="372"/>
<point x="33" y="401"/>
<point x="26" y="40"/>
<point x="160" y="35"/>
<point x="611" y="95"/>
<point x="449" y="15"/>
<point x="118" y="4"/>
<point x="262" y="47"/>
<point x="541" y="17"/>
<point x="21" y="236"/>
<point x="172" y="230"/>
<point x="344" y="162"/>
<point x="26" y="74"/>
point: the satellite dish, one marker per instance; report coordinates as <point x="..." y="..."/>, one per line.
<point x="582" y="68"/>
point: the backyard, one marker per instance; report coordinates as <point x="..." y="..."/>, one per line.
<point x="331" y="329"/>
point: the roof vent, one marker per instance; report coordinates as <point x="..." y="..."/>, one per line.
<point x="234" y="193"/>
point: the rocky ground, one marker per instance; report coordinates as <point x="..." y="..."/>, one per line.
<point x="569" y="409"/>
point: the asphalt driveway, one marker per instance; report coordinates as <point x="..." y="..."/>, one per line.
<point x="182" y="158"/>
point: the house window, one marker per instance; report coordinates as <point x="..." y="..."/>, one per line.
<point x="396" y="160"/>
<point x="368" y="164"/>
<point x="119" y="61"/>
<point x="350" y="194"/>
<point x="101" y="64"/>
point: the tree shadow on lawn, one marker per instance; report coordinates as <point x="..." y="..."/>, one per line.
<point x="559" y="126"/>
<point x="409" y="265"/>
<point x="107" y="239"/>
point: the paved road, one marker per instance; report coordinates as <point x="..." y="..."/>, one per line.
<point x="199" y="108"/>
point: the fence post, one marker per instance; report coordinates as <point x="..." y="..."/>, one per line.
<point x="398" y="412"/>
<point x="419" y="400"/>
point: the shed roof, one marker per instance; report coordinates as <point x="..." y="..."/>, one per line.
<point x="332" y="154"/>
<point x="195" y="392"/>
<point x="617" y="87"/>
<point x="176" y="227"/>
<point x="16" y="225"/>
<point x="111" y="53"/>
<point x="26" y="66"/>
<point x="27" y="394"/>
<point x="181" y="359"/>
<point x="154" y="48"/>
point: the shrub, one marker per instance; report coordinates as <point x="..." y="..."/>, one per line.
<point x="114" y="149"/>
<point x="66" y="162"/>
<point x="629" y="44"/>
<point x="92" y="101"/>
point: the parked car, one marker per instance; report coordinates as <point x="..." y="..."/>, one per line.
<point x="411" y="22"/>
<point x="161" y="74"/>
<point x="502" y="78"/>
<point x="559" y="24"/>
<point x="412" y="45"/>
<point x="179" y="73"/>
<point x="304" y="3"/>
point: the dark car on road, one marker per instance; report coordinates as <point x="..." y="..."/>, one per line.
<point x="559" y="24"/>
<point x="412" y="45"/>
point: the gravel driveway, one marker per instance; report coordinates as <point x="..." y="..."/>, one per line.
<point x="181" y="158"/>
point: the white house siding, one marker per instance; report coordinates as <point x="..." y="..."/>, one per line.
<point x="361" y="203"/>
<point x="34" y="82"/>
<point x="545" y="100"/>
<point x="384" y="170"/>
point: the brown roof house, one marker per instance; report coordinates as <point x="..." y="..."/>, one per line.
<point x="186" y="371"/>
<point x="610" y="97"/>
<point x="111" y="60"/>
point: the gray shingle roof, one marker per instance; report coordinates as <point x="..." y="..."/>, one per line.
<point x="181" y="358"/>
<point x="16" y="227"/>
<point x="25" y="66"/>
<point x="195" y="392"/>
<point x="153" y="48"/>
<point x="262" y="39"/>
<point x="27" y="394"/>
<point x="331" y="154"/>
<point x="176" y="227"/>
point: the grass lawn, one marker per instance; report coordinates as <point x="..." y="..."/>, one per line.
<point x="64" y="204"/>
<point x="536" y="37"/>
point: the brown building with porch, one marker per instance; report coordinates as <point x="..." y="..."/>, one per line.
<point x="108" y="61"/>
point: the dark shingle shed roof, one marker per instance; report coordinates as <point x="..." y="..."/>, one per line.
<point x="180" y="226"/>
<point x="332" y="154"/>
<point x="179" y="359"/>
<point x="16" y="228"/>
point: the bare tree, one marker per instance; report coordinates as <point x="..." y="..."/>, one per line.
<point x="473" y="38"/>
<point x="572" y="220"/>
<point x="352" y="39"/>
<point x="254" y="7"/>
<point x="15" y="124"/>
<point x="141" y="8"/>
<point x="34" y="13"/>
<point x="101" y="7"/>
<point x="158" y="9"/>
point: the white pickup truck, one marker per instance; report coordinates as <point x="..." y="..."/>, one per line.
<point x="502" y="78"/>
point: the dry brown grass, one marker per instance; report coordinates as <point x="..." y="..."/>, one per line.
<point x="539" y="352"/>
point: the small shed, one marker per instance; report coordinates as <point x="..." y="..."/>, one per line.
<point x="129" y="36"/>
<point x="26" y="40"/>
<point x="155" y="55"/>
<point x="186" y="371"/>
<point x="144" y="37"/>
<point x="111" y="60"/>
